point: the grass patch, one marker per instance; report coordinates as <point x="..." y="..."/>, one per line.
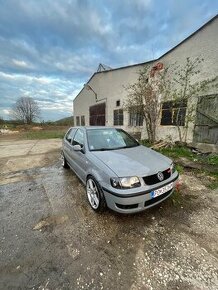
<point x="176" y="198"/>
<point x="211" y="159"/>
<point x="146" y="143"/>
<point x="44" y="134"/>
<point x="177" y="151"/>
<point x="213" y="184"/>
<point x="207" y="162"/>
<point x="180" y="168"/>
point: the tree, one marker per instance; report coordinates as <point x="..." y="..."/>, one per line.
<point x="144" y="98"/>
<point x="26" y="110"/>
<point x="184" y="89"/>
<point x="154" y="86"/>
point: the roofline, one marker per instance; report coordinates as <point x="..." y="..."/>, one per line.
<point x="150" y="61"/>
<point x="113" y="69"/>
<point x="188" y="37"/>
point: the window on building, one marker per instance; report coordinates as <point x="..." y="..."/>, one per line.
<point x="135" y="119"/>
<point x="173" y="113"/>
<point x="118" y="117"/>
<point x="118" y="103"/>
<point x="77" y="121"/>
<point x="82" y="120"/>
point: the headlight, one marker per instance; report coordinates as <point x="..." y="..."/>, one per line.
<point x="125" y="182"/>
<point x="172" y="168"/>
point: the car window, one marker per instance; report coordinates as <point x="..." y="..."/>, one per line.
<point x="109" y="139"/>
<point x="79" y="138"/>
<point x="70" y="134"/>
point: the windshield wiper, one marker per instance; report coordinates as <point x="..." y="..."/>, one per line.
<point x="107" y="149"/>
<point x="131" y="146"/>
<point x="116" y="148"/>
<point x="101" y="149"/>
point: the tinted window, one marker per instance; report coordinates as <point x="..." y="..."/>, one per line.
<point x="109" y="139"/>
<point x="70" y="134"/>
<point x="79" y="138"/>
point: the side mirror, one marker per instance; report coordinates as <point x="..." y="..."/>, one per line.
<point x="77" y="147"/>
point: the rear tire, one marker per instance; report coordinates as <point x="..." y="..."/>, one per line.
<point x="64" y="161"/>
<point x="95" y="195"/>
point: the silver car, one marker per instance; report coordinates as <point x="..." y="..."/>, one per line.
<point x="118" y="172"/>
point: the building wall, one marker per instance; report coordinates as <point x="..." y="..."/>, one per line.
<point x="111" y="85"/>
<point x="203" y="44"/>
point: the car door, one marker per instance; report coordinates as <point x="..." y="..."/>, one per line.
<point x="79" y="157"/>
<point x="67" y="145"/>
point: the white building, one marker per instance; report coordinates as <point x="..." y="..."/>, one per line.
<point x="100" y="102"/>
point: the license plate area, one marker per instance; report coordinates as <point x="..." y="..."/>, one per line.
<point x="161" y="190"/>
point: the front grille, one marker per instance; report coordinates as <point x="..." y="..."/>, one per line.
<point x="153" y="179"/>
<point x="158" y="198"/>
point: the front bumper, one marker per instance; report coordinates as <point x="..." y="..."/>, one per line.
<point x="138" y="201"/>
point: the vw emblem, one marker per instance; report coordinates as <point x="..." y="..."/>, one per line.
<point x="160" y="176"/>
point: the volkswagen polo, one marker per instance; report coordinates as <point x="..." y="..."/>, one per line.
<point x="117" y="171"/>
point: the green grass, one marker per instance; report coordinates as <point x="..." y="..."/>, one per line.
<point x="214" y="182"/>
<point x="210" y="179"/>
<point x="44" y="134"/>
<point x="211" y="159"/>
<point x="146" y="143"/>
<point x="180" y="168"/>
<point x="176" y="152"/>
<point x="176" y="198"/>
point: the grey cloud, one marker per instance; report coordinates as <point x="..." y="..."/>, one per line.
<point x="49" y="48"/>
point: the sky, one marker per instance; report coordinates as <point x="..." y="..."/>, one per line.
<point x="50" y="48"/>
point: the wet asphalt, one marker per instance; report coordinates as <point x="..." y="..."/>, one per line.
<point x="51" y="239"/>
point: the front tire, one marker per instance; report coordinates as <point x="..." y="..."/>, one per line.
<point x="64" y="161"/>
<point x="95" y="195"/>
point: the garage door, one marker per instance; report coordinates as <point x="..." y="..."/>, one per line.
<point x="206" y="124"/>
<point x="97" y="115"/>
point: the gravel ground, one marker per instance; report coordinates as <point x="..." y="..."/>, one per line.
<point x="51" y="239"/>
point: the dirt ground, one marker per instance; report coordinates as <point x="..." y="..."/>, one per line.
<point x="51" y="239"/>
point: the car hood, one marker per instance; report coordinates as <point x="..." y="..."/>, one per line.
<point x="136" y="161"/>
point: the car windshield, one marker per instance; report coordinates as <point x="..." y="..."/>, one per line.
<point x="109" y="139"/>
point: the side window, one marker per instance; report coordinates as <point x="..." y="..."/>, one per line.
<point x="70" y="134"/>
<point x="79" y="138"/>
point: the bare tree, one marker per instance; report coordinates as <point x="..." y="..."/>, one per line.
<point x="156" y="85"/>
<point x="26" y="110"/>
<point x="184" y="89"/>
<point x="144" y="98"/>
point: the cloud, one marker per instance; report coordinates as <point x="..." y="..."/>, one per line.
<point x="50" y="48"/>
<point x="6" y="112"/>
